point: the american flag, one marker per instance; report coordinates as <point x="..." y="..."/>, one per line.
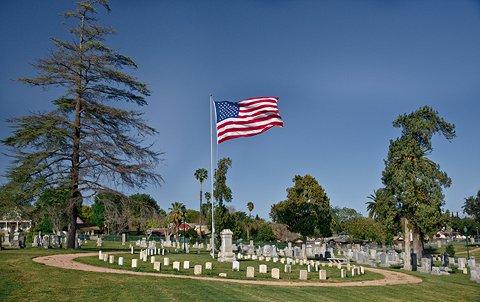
<point x="246" y="118"/>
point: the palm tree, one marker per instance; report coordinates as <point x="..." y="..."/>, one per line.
<point x="201" y="175"/>
<point x="372" y="205"/>
<point x="250" y="207"/>
<point x="176" y="215"/>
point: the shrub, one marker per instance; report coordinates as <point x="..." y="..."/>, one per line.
<point x="450" y="250"/>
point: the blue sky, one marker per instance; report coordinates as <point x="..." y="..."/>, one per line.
<point x="343" y="71"/>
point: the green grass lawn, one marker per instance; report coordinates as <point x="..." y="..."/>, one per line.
<point x="333" y="274"/>
<point x="21" y="279"/>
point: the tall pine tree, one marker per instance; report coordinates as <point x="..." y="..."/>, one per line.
<point x="85" y="144"/>
<point x="413" y="182"/>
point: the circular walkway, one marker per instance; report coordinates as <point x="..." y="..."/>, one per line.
<point x="66" y="261"/>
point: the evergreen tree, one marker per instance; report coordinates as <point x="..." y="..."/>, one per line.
<point x="414" y="181"/>
<point x="85" y="144"/>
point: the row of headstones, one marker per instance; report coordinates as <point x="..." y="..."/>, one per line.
<point x="17" y="241"/>
<point x="462" y="263"/>
<point x="250" y="273"/>
<point x="285" y="260"/>
<point x="288" y="268"/>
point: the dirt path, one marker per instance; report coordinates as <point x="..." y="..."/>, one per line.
<point x="66" y="261"/>
<point x="475" y="250"/>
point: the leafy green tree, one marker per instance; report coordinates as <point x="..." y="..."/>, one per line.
<point x="141" y="207"/>
<point x="117" y="211"/>
<point x="192" y="215"/>
<point x="384" y="210"/>
<point x="458" y="224"/>
<point x="52" y="204"/>
<point x="250" y="207"/>
<point x="201" y="175"/>
<point x="221" y="191"/>
<point x="472" y="206"/>
<point x="85" y="143"/>
<point x="265" y="233"/>
<point x="450" y="249"/>
<point x="413" y="180"/>
<point x="306" y="209"/>
<point x="362" y="228"/>
<point x="342" y="215"/>
<point x="222" y="194"/>
<point x="85" y="214"/>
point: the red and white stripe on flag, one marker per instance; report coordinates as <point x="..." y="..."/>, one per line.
<point x="246" y="118"/>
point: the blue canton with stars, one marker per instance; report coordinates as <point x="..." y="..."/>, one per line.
<point x="226" y="110"/>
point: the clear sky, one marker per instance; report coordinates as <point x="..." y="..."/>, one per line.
<point x="343" y="71"/>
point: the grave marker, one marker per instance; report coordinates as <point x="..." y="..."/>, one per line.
<point x="275" y="273"/>
<point x="303" y="275"/>
<point x="262" y="269"/>
<point x="322" y="274"/>
<point x="250" y="272"/>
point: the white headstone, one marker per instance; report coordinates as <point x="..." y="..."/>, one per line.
<point x="111" y="259"/>
<point x="275" y="273"/>
<point x="134" y="263"/>
<point x="120" y="260"/>
<point x="176" y="265"/>
<point x="100" y="256"/>
<point x="197" y="269"/>
<point x="186" y="264"/>
<point x="322" y="274"/>
<point x="262" y="269"/>
<point x="303" y="275"/>
<point x="343" y="273"/>
<point x="287" y="268"/>
<point x="235" y="266"/>
<point x="208" y="265"/>
<point x="250" y="272"/>
<point x="156" y="265"/>
<point x="166" y="261"/>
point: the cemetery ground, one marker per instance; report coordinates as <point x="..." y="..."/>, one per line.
<point x="23" y="279"/>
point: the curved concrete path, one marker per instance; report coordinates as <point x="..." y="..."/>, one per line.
<point x="66" y="261"/>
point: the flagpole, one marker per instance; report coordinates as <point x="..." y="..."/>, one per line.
<point x="211" y="176"/>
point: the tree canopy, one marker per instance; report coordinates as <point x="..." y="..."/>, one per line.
<point x="306" y="209"/>
<point x="472" y="206"/>
<point x="413" y="183"/>
<point x="221" y="191"/>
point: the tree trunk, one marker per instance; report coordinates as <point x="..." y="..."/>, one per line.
<point x="75" y="196"/>
<point x="201" y="214"/>
<point x="74" y="172"/>
<point x="407" y="265"/>
<point x="417" y="243"/>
